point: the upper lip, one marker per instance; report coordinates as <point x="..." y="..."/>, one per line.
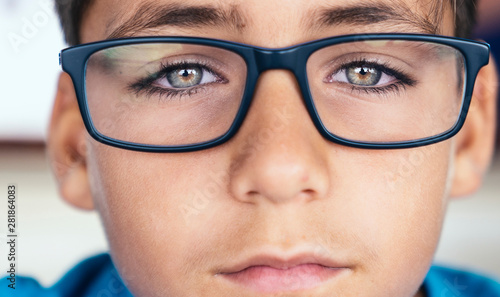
<point x="285" y="260"/>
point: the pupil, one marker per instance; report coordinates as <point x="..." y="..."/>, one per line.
<point x="363" y="71"/>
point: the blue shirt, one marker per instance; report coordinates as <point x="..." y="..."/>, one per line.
<point x="97" y="276"/>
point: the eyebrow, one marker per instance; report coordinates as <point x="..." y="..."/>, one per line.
<point x="150" y="16"/>
<point x="397" y="16"/>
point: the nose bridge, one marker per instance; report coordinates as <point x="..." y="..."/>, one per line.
<point x="276" y="59"/>
<point x="279" y="158"/>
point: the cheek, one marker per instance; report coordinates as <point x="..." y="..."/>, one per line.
<point x="155" y="213"/>
<point x="396" y="205"/>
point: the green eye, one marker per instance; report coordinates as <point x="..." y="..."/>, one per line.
<point x="363" y="76"/>
<point x="185" y="77"/>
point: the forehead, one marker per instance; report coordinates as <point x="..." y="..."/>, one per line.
<point x="274" y="23"/>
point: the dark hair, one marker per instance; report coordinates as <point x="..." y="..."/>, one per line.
<point x="465" y="17"/>
<point x="71" y="14"/>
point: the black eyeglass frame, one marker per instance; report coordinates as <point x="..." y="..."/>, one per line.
<point x="258" y="59"/>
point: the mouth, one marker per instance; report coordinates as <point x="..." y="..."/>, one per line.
<point x="272" y="273"/>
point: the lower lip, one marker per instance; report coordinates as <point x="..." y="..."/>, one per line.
<point x="266" y="279"/>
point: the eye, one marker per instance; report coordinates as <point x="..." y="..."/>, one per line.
<point x="184" y="76"/>
<point x="176" y="80"/>
<point x="364" y="75"/>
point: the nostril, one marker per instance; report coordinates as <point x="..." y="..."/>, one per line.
<point x="309" y="192"/>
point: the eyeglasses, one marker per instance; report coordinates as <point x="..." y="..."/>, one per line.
<point x="179" y="94"/>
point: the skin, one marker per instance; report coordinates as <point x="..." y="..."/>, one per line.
<point x="172" y="220"/>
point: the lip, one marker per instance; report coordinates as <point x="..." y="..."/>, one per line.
<point x="283" y="272"/>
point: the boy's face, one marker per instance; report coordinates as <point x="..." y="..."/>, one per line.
<point x="187" y="224"/>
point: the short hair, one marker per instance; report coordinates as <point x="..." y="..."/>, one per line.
<point x="71" y="13"/>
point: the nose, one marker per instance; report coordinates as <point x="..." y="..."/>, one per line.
<point x="279" y="156"/>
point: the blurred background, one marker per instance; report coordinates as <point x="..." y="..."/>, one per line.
<point x="53" y="236"/>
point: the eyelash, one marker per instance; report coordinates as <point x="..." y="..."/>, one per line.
<point x="145" y="85"/>
<point x="403" y="80"/>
